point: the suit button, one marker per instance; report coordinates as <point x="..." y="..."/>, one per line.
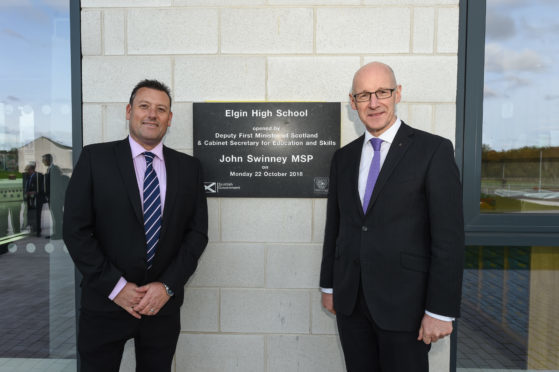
<point x="364" y="228"/>
<point x="356" y="261"/>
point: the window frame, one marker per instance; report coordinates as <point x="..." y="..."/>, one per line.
<point x="484" y="228"/>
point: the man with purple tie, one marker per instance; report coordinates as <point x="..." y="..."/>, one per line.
<point x="394" y="238"/>
<point x="135" y="224"/>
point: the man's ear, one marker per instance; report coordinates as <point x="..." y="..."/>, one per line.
<point x="352" y="101"/>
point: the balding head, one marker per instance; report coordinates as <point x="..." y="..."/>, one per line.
<point x="373" y="68"/>
<point x="377" y="114"/>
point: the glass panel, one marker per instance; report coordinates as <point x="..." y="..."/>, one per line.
<point x="520" y="151"/>
<point x="510" y="307"/>
<point x="37" y="320"/>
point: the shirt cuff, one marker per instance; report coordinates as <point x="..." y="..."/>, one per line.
<point x="327" y="290"/>
<point x="439" y="317"/>
<point x="118" y="287"/>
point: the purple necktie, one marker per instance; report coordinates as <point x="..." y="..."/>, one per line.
<point x="373" y="172"/>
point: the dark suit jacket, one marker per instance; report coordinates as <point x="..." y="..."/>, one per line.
<point x="104" y="230"/>
<point x="407" y="250"/>
<point x="33" y="189"/>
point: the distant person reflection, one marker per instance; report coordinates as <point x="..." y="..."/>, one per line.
<point x="55" y="188"/>
<point x="34" y="196"/>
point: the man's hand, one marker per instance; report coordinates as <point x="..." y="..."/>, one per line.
<point x="432" y="329"/>
<point x="328" y="302"/>
<point x="154" y="297"/>
<point x="128" y="298"/>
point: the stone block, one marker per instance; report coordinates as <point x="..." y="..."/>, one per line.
<point x="288" y="353"/>
<point x="113" y="31"/>
<point x="266" y="220"/>
<point x="421" y="117"/>
<point x="439" y="356"/>
<point x="322" y="321"/>
<point x="116" y="125"/>
<point x="410" y="2"/>
<point x="267" y="30"/>
<point x="424" y="78"/>
<point x="211" y="78"/>
<point x="218" y="352"/>
<point x="179" y="134"/>
<point x="92" y="123"/>
<point x="218" y="2"/>
<point x="314" y="2"/>
<point x="172" y="31"/>
<point x="352" y="127"/>
<point x="403" y="111"/>
<point x="341" y="30"/>
<point x="423" y="30"/>
<point x="445" y="121"/>
<point x="124" y="3"/>
<point x="111" y="79"/>
<point x="265" y="311"/>
<point x="447" y="30"/>
<point x="319" y="220"/>
<point x="231" y="265"/>
<point x="91" y="32"/>
<point x="310" y="78"/>
<point x="293" y="266"/>
<point x="199" y="312"/>
<point x="214" y="222"/>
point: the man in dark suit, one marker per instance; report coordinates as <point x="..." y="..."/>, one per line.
<point x="34" y="196"/>
<point x="393" y="248"/>
<point x="135" y="224"/>
<point x="55" y="187"/>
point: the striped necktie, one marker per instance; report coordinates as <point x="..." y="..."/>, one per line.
<point x="152" y="208"/>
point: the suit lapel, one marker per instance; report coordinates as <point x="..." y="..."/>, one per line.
<point x="172" y="169"/>
<point x="354" y="179"/>
<point x="398" y="148"/>
<point x="126" y="168"/>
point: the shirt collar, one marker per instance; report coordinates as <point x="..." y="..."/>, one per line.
<point x="387" y="136"/>
<point x="138" y="149"/>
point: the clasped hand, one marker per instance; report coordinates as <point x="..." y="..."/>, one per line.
<point x="144" y="300"/>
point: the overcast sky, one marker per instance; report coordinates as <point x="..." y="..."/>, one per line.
<point x="521" y="98"/>
<point x="34" y="71"/>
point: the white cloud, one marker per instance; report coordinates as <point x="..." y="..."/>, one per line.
<point x="501" y="59"/>
<point x="489" y="92"/>
<point x="499" y="26"/>
<point x="551" y="97"/>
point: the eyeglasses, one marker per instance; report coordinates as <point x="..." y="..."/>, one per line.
<point x="380" y="94"/>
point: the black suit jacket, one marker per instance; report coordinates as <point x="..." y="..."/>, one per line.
<point x="33" y="189"/>
<point x="103" y="224"/>
<point x="407" y="250"/>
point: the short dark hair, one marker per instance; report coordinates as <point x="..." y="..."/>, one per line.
<point x="152" y="84"/>
<point x="48" y="157"/>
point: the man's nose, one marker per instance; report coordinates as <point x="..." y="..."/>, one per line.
<point x="373" y="102"/>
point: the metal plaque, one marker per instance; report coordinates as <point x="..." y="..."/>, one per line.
<point x="266" y="149"/>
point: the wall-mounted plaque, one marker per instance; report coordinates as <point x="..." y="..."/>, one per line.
<point x="266" y="149"/>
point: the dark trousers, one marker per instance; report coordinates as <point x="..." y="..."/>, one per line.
<point x="102" y="335"/>
<point x="34" y="217"/>
<point x="367" y="348"/>
<point x="56" y="212"/>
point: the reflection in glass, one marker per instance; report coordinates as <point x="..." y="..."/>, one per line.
<point x="510" y="307"/>
<point x="37" y="320"/>
<point x="520" y="151"/>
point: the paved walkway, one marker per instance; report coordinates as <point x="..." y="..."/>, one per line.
<point x="38" y="311"/>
